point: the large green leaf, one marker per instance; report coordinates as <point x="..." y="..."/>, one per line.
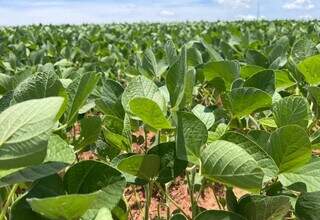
<point x="41" y="85"/>
<point x="59" y="150"/>
<point x="25" y="130"/>
<point x="263" y="159"/>
<point x="49" y="186"/>
<point x="149" y="64"/>
<point x="283" y="79"/>
<point x="170" y="166"/>
<point x="191" y="135"/>
<point x="264" y="80"/>
<point x="308" y="206"/>
<point x="258" y="207"/>
<point x="229" y="163"/>
<point x="149" y="112"/>
<point x="310" y="68"/>
<point x="109" y="101"/>
<point x="256" y="58"/>
<point x="78" y="92"/>
<point x="91" y="176"/>
<point x="249" y="70"/>
<point x="32" y="173"/>
<point x="293" y="110"/>
<point x="66" y="207"/>
<point x="290" y="148"/>
<point x="226" y="70"/>
<point x="205" y="114"/>
<point x="218" y="215"/>
<point x="244" y="101"/>
<point x="143" y="166"/>
<point x="141" y="86"/>
<point x="308" y="175"/>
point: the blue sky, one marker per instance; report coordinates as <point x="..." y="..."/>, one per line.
<point x="20" y="12"/>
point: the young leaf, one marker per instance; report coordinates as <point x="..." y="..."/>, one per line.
<point x="292" y="110"/>
<point x="143" y="166"/>
<point x="142" y="87"/>
<point x="204" y="114"/>
<point x="310" y="68"/>
<point x="229" y="163"/>
<point x="228" y="71"/>
<point x="191" y="135"/>
<point x="149" y="112"/>
<point x="78" y="92"/>
<point x="290" y="148"/>
<point x="264" y="80"/>
<point x="110" y="100"/>
<point x="244" y="101"/>
<point x="25" y="130"/>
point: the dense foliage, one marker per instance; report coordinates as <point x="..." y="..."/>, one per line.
<point x="232" y="103"/>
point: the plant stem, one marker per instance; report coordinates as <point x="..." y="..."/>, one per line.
<point x="9" y="200"/>
<point x="191" y="191"/>
<point x="216" y="198"/>
<point x="171" y="200"/>
<point x="148" y="192"/>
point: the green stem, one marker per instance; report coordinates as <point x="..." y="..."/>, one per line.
<point x="171" y="200"/>
<point x="9" y="200"/>
<point x="191" y="191"/>
<point x="148" y="192"/>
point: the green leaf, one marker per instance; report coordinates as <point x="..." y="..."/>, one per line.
<point x="49" y="186"/>
<point x="205" y="114"/>
<point x="191" y="135"/>
<point x="25" y="130"/>
<point x="266" y="163"/>
<point x="142" y="87"/>
<point x="315" y="93"/>
<point x="229" y="163"/>
<point x="109" y="101"/>
<point x="256" y="58"/>
<point x="59" y="150"/>
<point x="149" y="112"/>
<point x="244" y="101"/>
<point x="214" y="55"/>
<point x="218" y="215"/>
<point x="32" y="173"/>
<point x="310" y="69"/>
<point x="143" y="166"/>
<point x="89" y="132"/>
<point x="149" y="64"/>
<point x="171" y="53"/>
<point x="78" y="92"/>
<point x="292" y="110"/>
<point x="308" y="175"/>
<point x="258" y="207"/>
<point x="290" y="148"/>
<point x="170" y="166"/>
<point x="226" y="70"/>
<point x="175" y="78"/>
<point x="283" y="79"/>
<point x="308" y="206"/>
<point x="264" y="80"/>
<point x="249" y="70"/>
<point x="66" y="207"/>
<point x="194" y="57"/>
<point x="90" y="176"/>
<point x="41" y="85"/>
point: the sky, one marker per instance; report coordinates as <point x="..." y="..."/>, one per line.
<point x="23" y="12"/>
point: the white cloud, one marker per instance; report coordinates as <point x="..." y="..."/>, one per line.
<point x="167" y="13"/>
<point x="235" y="3"/>
<point x="299" y="4"/>
<point x="248" y="17"/>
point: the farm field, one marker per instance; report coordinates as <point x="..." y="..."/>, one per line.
<point x="179" y="121"/>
